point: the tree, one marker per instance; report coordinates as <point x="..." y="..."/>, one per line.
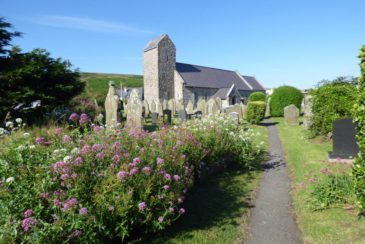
<point x="284" y="96"/>
<point x="6" y="36"/>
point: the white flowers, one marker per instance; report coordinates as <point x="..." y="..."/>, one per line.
<point x="67" y="159"/>
<point x="31" y="146"/>
<point x="9" y="124"/>
<point x="18" y="120"/>
<point x="9" y="180"/>
<point x="26" y="134"/>
<point x="2" y="131"/>
<point x="75" y="151"/>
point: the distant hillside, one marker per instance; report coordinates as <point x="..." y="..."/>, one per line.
<point x="97" y="83"/>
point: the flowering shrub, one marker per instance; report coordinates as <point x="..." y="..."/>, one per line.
<point x="96" y="184"/>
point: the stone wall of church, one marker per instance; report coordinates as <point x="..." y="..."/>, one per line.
<point x="179" y="86"/>
<point x="195" y="93"/>
<point x="150" y="75"/>
<point x="166" y="68"/>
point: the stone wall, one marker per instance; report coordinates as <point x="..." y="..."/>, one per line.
<point x="179" y="87"/>
<point x="150" y="74"/>
<point x="196" y="93"/>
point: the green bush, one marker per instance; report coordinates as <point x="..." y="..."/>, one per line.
<point x="257" y="96"/>
<point x="332" y="190"/>
<point x="331" y="101"/>
<point x="284" y="96"/>
<point x="358" y="171"/>
<point x="255" y="111"/>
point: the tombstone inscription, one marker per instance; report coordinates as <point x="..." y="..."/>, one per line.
<point x="344" y="140"/>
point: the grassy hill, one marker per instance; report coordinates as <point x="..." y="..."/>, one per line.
<point x="97" y="83"/>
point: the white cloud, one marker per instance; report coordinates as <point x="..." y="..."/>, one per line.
<point x="88" y="24"/>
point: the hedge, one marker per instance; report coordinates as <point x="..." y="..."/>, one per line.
<point x="257" y="96"/>
<point x="284" y="96"/>
<point x="255" y="111"/>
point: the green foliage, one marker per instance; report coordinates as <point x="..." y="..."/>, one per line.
<point x="332" y="190"/>
<point x="86" y="184"/>
<point x="255" y="111"/>
<point x="257" y="96"/>
<point x="6" y="36"/>
<point x="331" y="101"/>
<point x="37" y="76"/>
<point x="284" y="96"/>
<point x="358" y="171"/>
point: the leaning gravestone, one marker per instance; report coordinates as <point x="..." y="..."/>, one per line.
<point x="154" y="117"/>
<point x="212" y="107"/>
<point x="111" y="106"/>
<point x="307" y="110"/>
<point x="201" y="106"/>
<point x="344" y="140"/>
<point x="190" y="108"/>
<point x="291" y="115"/>
<point x="135" y="106"/>
<point x="267" y="110"/>
<point x="182" y="115"/>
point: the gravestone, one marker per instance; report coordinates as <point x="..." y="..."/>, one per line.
<point x="267" y="110"/>
<point x="182" y="115"/>
<point x="159" y="109"/>
<point x="134" y="114"/>
<point x="171" y="106"/>
<point x="307" y="110"/>
<point x="235" y="117"/>
<point x="212" y="107"/>
<point x="201" y="106"/>
<point x="219" y="103"/>
<point x="154" y="117"/>
<point x="112" y="105"/>
<point x="243" y="109"/>
<point x="344" y="140"/>
<point x="179" y="105"/>
<point x="190" y="108"/>
<point x="164" y="104"/>
<point x="291" y="115"/>
<point x="167" y="119"/>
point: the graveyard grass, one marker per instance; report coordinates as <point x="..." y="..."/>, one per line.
<point x="334" y="225"/>
<point x="217" y="208"/>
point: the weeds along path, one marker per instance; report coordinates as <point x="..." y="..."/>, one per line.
<point x="272" y="220"/>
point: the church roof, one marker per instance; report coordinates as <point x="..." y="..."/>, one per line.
<point x="222" y="93"/>
<point x="205" y="77"/>
<point x="253" y="83"/>
<point x="154" y="43"/>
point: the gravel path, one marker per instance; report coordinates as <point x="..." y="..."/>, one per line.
<point x="272" y="219"/>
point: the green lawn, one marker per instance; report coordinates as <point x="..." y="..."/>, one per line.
<point x="216" y="208"/>
<point x="305" y="159"/>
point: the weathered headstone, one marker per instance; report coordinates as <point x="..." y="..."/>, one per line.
<point x="291" y="115"/>
<point x="212" y="107"/>
<point x="243" y="109"/>
<point x="182" y="115"/>
<point x="159" y="109"/>
<point x="171" y="106"/>
<point x="154" y="117"/>
<point x="153" y="106"/>
<point x="344" y="140"/>
<point x="135" y="106"/>
<point x="219" y="103"/>
<point x="112" y="105"/>
<point x="190" y="108"/>
<point x="201" y="106"/>
<point x="179" y="105"/>
<point x="307" y="110"/>
<point x="164" y="104"/>
<point x="146" y="109"/>
<point x="167" y="119"/>
<point x="267" y="110"/>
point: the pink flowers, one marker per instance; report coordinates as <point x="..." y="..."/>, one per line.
<point x="66" y="139"/>
<point x="159" y="161"/>
<point x="181" y="211"/>
<point x="146" y="170"/>
<point x="39" y="140"/>
<point x="58" y="131"/>
<point x="167" y="177"/>
<point x="160" y="219"/>
<point x="68" y="204"/>
<point x="61" y="167"/>
<point x="166" y="187"/>
<point x="27" y="223"/>
<point x="83" y="211"/>
<point x="142" y="206"/>
<point x="83" y="119"/>
<point x="122" y="175"/>
<point x="74" y="117"/>
<point x="176" y="177"/>
<point x="28" y="213"/>
<point x="133" y="171"/>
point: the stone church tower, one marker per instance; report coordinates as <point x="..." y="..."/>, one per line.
<point x="159" y="62"/>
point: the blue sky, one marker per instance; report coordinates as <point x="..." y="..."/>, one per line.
<point x="279" y="42"/>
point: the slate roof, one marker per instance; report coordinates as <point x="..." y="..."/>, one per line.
<point x="153" y="43"/>
<point x="253" y="83"/>
<point x="205" y="77"/>
<point x="222" y="93"/>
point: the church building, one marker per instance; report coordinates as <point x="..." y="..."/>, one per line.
<point x="164" y="78"/>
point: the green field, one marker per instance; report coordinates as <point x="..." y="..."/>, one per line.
<point x="97" y="83"/>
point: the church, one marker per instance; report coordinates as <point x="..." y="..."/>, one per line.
<point x="164" y="78"/>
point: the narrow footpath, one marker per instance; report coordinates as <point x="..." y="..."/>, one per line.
<point x="272" y="220"/>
